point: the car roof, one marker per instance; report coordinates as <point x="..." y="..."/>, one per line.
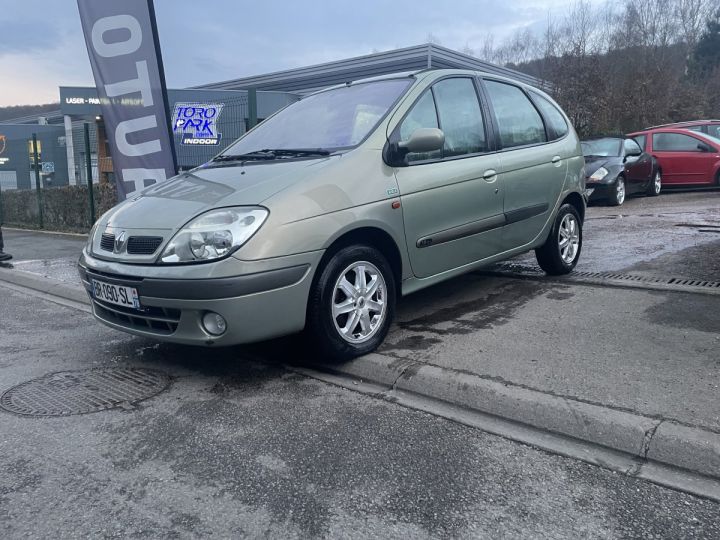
<point x="437" y="73"/>
<point x="685" y="123"/>
<point x="681" y="131"/>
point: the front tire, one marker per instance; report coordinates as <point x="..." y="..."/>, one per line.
<point x="655" y="185"/>
<point x="351" y="304"/>
<point x="561" y="251"/>
<point x="617" y="192"/>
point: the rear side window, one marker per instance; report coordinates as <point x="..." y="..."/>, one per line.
<point x="674" y="142"/>
<point x="518" y="120"/>
<point x="714" y="130"/>
<point x="641" y="140"/>
<point x="555" y="119"/>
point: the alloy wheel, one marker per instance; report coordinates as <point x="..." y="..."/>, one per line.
<point x="569" y="238"/>
<point x="620" y="191"/>
<point x="359" y="302"/>
<point x="657" y="182"/>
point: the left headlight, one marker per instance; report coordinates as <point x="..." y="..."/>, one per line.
<point x="214" y="234"/>
<point x="598" y="175"/>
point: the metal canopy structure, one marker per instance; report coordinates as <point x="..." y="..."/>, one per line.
<point x="308" y="79"/>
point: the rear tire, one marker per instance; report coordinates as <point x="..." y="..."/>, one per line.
<point x="617" y="192"/>
<point x="655" y="185"/>
<point x="351" y="304"/>
<point x="561" y="251"/>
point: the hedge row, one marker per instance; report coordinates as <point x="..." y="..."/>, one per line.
<point x="65" y="208"/>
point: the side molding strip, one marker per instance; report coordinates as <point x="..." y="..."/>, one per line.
<point x="482" y="225"/>
<point x="474" y="227"/>
<point x="526" y="212"/>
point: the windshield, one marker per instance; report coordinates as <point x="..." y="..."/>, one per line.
<point x="714" y="140"/>
<point x="602" y="147"/>
<point x="338" y="118"/>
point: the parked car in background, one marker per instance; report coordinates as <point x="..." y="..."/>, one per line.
<point x="617" y="167"/>
<point x="685" y="158"/>
<point x="709" y="127"/>
<point x="321" y="216"/>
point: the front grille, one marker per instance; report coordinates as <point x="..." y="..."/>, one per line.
<point x="160" y="321"/>
<point x="107" y="242"/>
<point x="143" y="245"/>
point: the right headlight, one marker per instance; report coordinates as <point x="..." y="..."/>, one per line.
<point x="214" y="234"/>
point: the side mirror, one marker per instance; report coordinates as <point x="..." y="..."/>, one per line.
<point x="704" y="147"/>
<point x="635" y="152"/>
<point x="423" y="140"/>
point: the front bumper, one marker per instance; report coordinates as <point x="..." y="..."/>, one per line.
<point x="597" y="190"/>
<point x="258" y="299"/>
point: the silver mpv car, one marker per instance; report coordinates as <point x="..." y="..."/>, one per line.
<point x="325" y="213"/>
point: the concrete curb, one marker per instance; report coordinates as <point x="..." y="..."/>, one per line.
<point x="643" y="438"/>
<point x="646" y="439"/>
<point x="43" y="231"/>
<point x="44" y="285"/>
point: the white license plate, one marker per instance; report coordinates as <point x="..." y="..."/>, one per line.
<point x="116" y="294"/>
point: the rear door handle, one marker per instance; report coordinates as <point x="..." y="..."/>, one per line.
<point x="490" y="175"/>
<point x="556" y="160"/>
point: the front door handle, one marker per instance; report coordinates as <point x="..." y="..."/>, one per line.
<point x="556" y="160"/>
<point x="490" y="175"/>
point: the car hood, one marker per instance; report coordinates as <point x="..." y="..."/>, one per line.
<point x="171" y="204"/>
<point x="593" y="163"/>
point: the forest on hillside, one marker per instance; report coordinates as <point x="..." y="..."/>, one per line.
<point x="17" y="111"/>
<point x="624" y="65"/>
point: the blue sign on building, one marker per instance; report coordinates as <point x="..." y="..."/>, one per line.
<point x="198" y="123"/>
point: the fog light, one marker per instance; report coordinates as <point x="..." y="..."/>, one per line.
<point x="214" y="324"/>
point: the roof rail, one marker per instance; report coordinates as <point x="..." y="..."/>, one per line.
<point x="683" y="123"/>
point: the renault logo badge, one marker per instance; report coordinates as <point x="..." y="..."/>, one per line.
<point x="119" y="242"/>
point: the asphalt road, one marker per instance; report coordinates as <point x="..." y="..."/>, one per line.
<point x="237" y="446"/>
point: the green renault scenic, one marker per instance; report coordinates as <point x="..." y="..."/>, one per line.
<point x="322" y="216"/>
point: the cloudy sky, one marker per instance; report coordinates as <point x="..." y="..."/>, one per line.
<point x="41" y="43"/>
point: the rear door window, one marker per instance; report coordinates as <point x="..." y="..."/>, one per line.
<point x="519" y="121"/>
<point x="554" y="118"/>
<point x="674" y="142"/>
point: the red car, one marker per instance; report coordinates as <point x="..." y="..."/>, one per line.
<point x="685" y="158"/>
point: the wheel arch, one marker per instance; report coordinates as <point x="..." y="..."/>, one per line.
<point x="374" y="237"/>
<point x="576" y="200"/>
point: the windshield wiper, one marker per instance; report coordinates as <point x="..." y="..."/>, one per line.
<point x="260" y="155"/>
<point x="297" y="151"/>
<point x="272" y="153"/>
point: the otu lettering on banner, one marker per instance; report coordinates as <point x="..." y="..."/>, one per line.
<point x="121" y="39"/>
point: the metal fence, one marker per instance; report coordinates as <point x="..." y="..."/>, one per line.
<point x="77" y="167"/>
